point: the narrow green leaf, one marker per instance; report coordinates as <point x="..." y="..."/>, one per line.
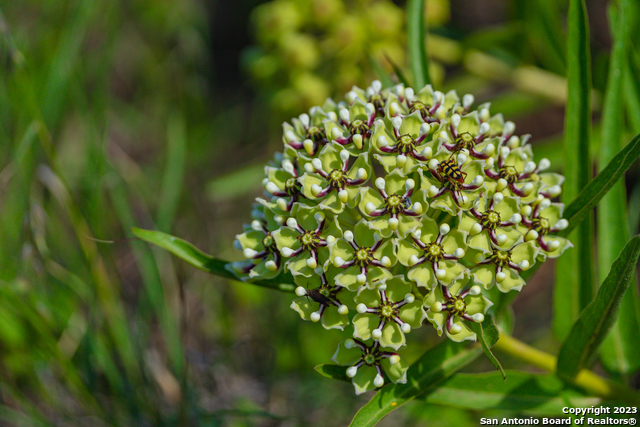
<point x="632" y="91"/>
<point x="174" y="172"/>
<point x="574" y="284"/>
<point x="396" y="69"/>
<point x="382" y="75"/>
<point x="416" y="32"/>
<point x="596" y="320"/>
<point x="620" y="353"/>
<point x="488" y="335"/>
<point x="194" y="256"/>
<point x="535" y="394"/>
<point x="589" y="197"/>
<point x="436" y="365"/>
<point x="545" y="33"/>
<point x="335" y="372"/>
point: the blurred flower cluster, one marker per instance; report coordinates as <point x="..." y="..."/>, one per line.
<point x="305" y="52"/>
<point x="396" y="207"/>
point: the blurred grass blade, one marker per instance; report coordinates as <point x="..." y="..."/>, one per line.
<point x="398" y="71"/>
<point x="596" y="320"/>
<point x="172" y="180"/>
<point x="632" y="90"/>
<point x="620" y="353"/>
<point x="335" y="372"/>
<point x="534" y="394"/>
<point x="436" y="365"/>
<point x="382" y="75"/>
<point x="488" y="335"/>
<point x="194" y="256"/>
<point x="545" y="33"/>
<point x="589" y="197"/>
<point x="416" y="33"/>
<point x="574" y="282"/>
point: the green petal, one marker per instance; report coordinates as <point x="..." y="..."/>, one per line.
<point x="411" y="124"/>
<point x="340" y="248"/>
<point x="413" y="314"/>
<point x="513" y="237"/>
<point x="467" y="221"/>
<point x="481" y="242"/>
<point x="308" y="180"/>
<point x="465" y="335"/>
<point x="553" y="213"/>
<point x="397" y="373"/>
<point x="507" y="207"/>
<point x="382" y="225"/>
<point x="453" y="240"/>
<point x="477" y="304"/>
<point x="564" y="245"/>
<point x="346" y="356"/>
<point x="364" y="234"/>
<point x="394" y="183"/>
<point x="525" y="251"/>
<point x="392" y="336"/>
<point x="363" y="324"/>
<point x="405" y="250"/>
<point x="368" y="297"/>
<point x="347" y="279"/>
<point x="406" y="224"/>
<point x="369" y="195"/>
<point x="397" y="288"/>
<point x="286" y="237"/>
<point x="469" y="123"/>
<point x="453" y="269"/>
<point x="304" y="306"/>
<point x="332" y="203"/>
<point x="305" y="216"/>
<point x="550" y="179"/>
<point x="331" y="319"/>
<point x="511" y="282"/>
<point x="377" y="276"/>
<point x="423" y="275"/>
<point x="363" y="381"/>
<point x="445" y="203"/>
<point x="330" y="157"/>
<point x="261" y="270"/>
<point x="484" y="275"/>
<point x="251" y="240"/>
<point x="298" y="265"/>
<point x="387" y="249"/>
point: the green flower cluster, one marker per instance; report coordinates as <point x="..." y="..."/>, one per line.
<point x="307" y="49"/>
<point x="458" y="207"/>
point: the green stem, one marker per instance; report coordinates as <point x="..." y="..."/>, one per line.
<point x="586" y="380"/>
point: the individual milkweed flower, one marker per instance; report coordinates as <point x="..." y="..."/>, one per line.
<point x="364" y="257"/>
<point x="306" y="135"/>
<point x="319" y="300"/>
<point x="513" y="171"/>
<point x="450" y="307"/>
<point x="405" y="145"/>
<point x="333" y="180"/>
<point x="259" y="246"/>
<point x="466" y="134"/>
<point x="387" y="313"/>
<point x="283" y="183"/>
<point x="369" y="364"/>
<point x="353" y="126"/>
<point x="492" y="222"/>
<point x="373" y="95"/>
<point x="542" y="219"/>
<point x="433" y="253"/>
<point x="395" y="205"/>
<point x="452" y="181"/>
<point x="503" y="267"/>
<point x="305" y="238"/>
<point x="431" y="105"/>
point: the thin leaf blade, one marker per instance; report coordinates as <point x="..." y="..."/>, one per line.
<point x="596" y="320"/>
<point x="488" y="335"/>
<point x="194" y="256"/>
<point x="574" y="284"/>
<point x="416" y="31"/>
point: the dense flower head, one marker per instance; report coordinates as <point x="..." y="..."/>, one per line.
<point x="396" y="208"/>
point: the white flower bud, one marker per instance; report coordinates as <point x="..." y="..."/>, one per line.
<point x="382" y="141"/>
<point x="513" y="142"/>
<point x="401" y="159"/>
<point x="475" y="290"/>
<point x="527" y="188"/>
<point x="413" y="260"/>
<point x="509" y="128"/>
<point x="361" y="308"/>
<point x="501" y="239"/>
<point x="338" y="262"/>
<point x="444" y="135"/>
<point x="526" y="210"/>
<point x="500" y="276"/>
<point x="504" y="152"/>
<point x="336" y="133"/>
<point x="317" y="164"/>
<point x="308" y="168"/>
<point x="369" y="207"/>
<point x="361" y="279"/>
<point x="352" y="371"/>
<point x="394" y="359"/>
<point x="380" y="183"/>
<point x="376" y="86"/>
<point x="348" y="236"/>
<point x="417" y="233"/>
<point x="484" y="128"/>
<point x="544" y="164"/>
<point x="477" y="181"/>
<point x="409" y="298"/>
<point x="344" y="115"/>
<point x="358" y="141"/>
<point x="531" y="235"/>
<point x="344" y="155"/>
<point x="343" y="195"/>
<point x="271" y="187"/>
<point x="515" y="218"/>
<point x="436" y="307"/>
<point x="427" y="152"/>
<point x="554" y="191"/>
<point x="409" y="184"/>
<point x="561" y="224"/>
<point x="438" y="97"/>
<point x="315" y="316"/>
<point x="330" y="239"/>
<point x="524" y="264"/>
<point x="441" y="273"/>
<point x="433" y="164"/>
<point x="331" y="115"/>
<point x="467" y="100"/>
<point x="382" y="287"/>
<point x="461" y="159"/>
<point x="362" y="173"/>
<point x="351" y="96"/>
<point x="455" y="329"/>
<point x="349" y="343"/>
<point x="369" y="109"/>
<point x="464" y="199"/>
<point x="393" y="223"/>
<point x="290" y="136"/>
<point x="308" y="146"/>
<point x="478" y="317"/>
<point x="376" y="334"/>
<point x="300" y="291"/>
<point x="489" y="163"/>
<point x="444" y="229"/>
<point x="544" y="204"/>
<point x="529" y="167"/>
<point x="458" y="253"/>
<point x="455" y="120"/>
<point x="271" y="265"/>
<point x="406" y="328"/>
<point x="343" y="309"/>
<point x="378" y="381"/>
<point x="396" y="122"/>
<point x="433" y="190"/>
<point x="292" y="223"/>
<point x="484" y="115"/>
<point x="479" y="258"/>
<point x="424" y="129"/>
<point x="304" y="118"/>
<point x="498" y="197"/>
<point x="417" y="208"/>
<point x="441" y="113"/>
<point x="394" y="109"/>
<point x="312" y="263"/>
<point x="475" y="229"/>
<point x="553" y="245"/>
<point x="408" y="93"/>
<point x="489" y="149"/>
<point x="385" y="261"/>
<point x="315" y="189"/>
<point x="249" y="253"/>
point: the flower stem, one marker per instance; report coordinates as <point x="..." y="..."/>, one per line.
<point x="586" y="380"/>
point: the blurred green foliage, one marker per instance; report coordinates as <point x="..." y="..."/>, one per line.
<point x="110" y="117"/>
